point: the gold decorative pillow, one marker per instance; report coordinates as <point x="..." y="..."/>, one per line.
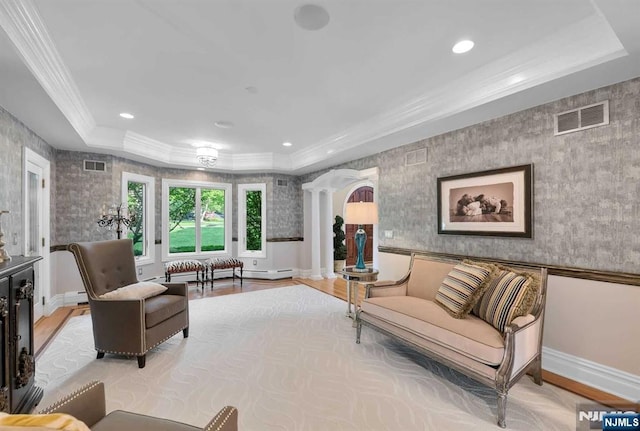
<point x="462" y="288"/>
<point x="509" y="295"/>
<point x="140" y="290"/>
<point x="52" y="421"/>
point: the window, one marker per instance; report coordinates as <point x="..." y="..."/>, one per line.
<point x="252" y="210"/>
<point x="196" y="218"/>
<point x="138" y="197"/>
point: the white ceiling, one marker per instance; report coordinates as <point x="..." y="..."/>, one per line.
<point x="381" y="74"/>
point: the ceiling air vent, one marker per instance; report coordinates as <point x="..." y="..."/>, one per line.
<point x="95" y="165"/>
<point x="416" y="157"/>
<point x="282" y="183"/>
<point x="582" y="118"/>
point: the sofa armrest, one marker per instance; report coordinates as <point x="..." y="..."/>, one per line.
<point x="176" y="288"/>
<point x="525" y="340"/>
<point x="86" y="404"/>
<point x="225" y="420"/>
<point x="391" y="289"/>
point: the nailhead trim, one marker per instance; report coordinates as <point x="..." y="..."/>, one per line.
<point x="70" y="397"/>
<point x="141" y="353"/>
<point x="227" y="411"/>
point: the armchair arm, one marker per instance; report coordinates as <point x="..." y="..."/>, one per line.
<point x="176" y="289"/>
<point x="225" y="420"/>
<point x="86" y="404"/>
<point x="116" y="326"/>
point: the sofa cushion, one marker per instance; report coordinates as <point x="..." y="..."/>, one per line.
<point x="140" y="290"/>
<point x="471" y="337"/>
<point x="119" y="420"/>
<point x="462" y="288"/>
<point x="162" y="307"/>
<point x="508" y="296"/>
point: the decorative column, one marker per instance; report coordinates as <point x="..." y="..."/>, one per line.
<point x="315" y="235"/>
<point x="327" y="227"/>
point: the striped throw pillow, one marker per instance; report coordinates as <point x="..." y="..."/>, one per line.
<point x="461" y="288"/>
<point x="508" y="296"/>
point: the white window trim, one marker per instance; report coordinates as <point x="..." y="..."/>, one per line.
<point x="150" y="198"/>
<point x="228" y="214"/>
<point x="242" y="220"/>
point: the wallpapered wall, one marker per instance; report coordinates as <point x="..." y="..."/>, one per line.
<point x="586" y="185"/>
<point x="81" y="195"/>
<point x="14" y="136"/>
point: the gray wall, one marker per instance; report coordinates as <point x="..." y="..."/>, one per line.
<point x="14" y="137"/>
<point x="586" y="185"/>
<point x="81" y="194"/>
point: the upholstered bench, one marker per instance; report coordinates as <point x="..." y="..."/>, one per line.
<point x="184" y="266"/>
<point x="225" y="263"/>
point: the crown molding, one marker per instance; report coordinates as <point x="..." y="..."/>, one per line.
<point x="21" y="21"/>
<point x="584" y="44"/>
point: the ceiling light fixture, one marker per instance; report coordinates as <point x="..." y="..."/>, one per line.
<point x="207" y="156"/>
<point x="127" y="115"/>
<point x="462" y="46"/>
<point x="287" y="144"/>
<point x="224" y="124"/>
<point x="311" y="17"/>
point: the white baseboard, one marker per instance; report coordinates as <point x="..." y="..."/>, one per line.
<point x="74" y="298"/>
<point x="607" y="379"/>
<point x="55" y="302"/>
<point x="270" y="274"/>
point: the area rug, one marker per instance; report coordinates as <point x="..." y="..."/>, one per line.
<point x="287" y="358"/>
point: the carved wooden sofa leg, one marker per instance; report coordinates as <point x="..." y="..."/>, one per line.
<point x="502" y="409"/>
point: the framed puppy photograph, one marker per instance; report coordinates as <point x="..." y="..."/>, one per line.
<point x="488" y="203"/>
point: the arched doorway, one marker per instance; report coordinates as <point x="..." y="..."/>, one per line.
<point x="361" y="194"/>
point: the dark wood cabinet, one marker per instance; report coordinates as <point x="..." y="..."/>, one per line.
<point x="18" y="392"/>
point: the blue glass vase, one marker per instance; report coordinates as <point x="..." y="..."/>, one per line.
<point x="361" y="239"/>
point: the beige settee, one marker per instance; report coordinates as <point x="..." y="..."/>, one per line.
<point x="407" y="310"/>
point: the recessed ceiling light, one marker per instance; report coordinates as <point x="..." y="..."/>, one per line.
<point x="516" y="79"/>
<point x="200" y="169"/>
<point x="224" y="124"/>
<point x="126" y="115"/>
<point x="287" y="144"/>
<point x="330" y="151"/>
<point x="462" y="46"/>
<point x="311" y="17"/>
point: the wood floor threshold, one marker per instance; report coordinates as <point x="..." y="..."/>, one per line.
<point x="45" y="342"/>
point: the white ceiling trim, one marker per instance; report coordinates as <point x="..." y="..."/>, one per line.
<point x="22" y="22"/>
<point x="586" y="43"/>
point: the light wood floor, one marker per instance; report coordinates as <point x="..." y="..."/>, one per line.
<point x="46" y="328"/>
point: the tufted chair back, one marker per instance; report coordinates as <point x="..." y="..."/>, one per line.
<point x="105" y="265"/>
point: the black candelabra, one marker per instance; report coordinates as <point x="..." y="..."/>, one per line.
<point x="116" y="218"/>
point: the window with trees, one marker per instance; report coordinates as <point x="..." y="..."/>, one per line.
<point x="196" y="218"/>
<point x="138" y="197"/>
<point x="252" y="210"/>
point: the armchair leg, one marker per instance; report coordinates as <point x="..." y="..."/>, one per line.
<point x="502" y="409"/>
<point x="100" y="355"/>
<point x="185" y="332"/>
<point x="142" y="361"/>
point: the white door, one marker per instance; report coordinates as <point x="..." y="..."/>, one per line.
<point x="36" y="223"/>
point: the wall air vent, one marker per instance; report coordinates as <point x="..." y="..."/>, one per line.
<point x="415" y="157"/>
<point x="582" y="118"/>
<point x="95" y="165"/>
<point x="282" y="183"/>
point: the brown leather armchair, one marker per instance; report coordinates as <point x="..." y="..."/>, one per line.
<point x="129" y="327"/>
<point x="88" y="405"/>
